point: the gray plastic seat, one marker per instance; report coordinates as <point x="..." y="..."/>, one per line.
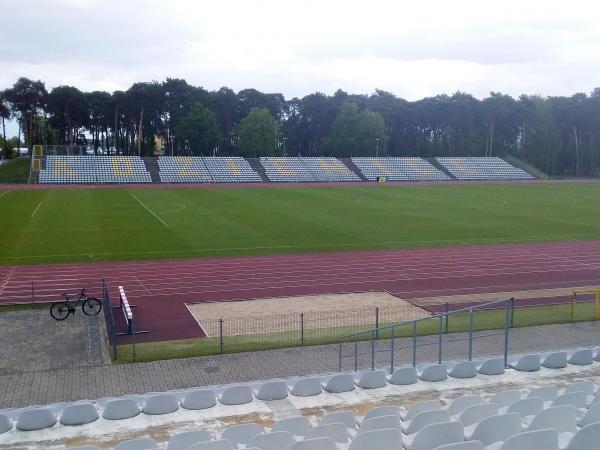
<point x="492" y="366"/>
<point x="372" y="380"/>
<point x="555" y="360"/>
<point x="296" y="426"/>
<point x="271" y="441"/>
<point x="212" y="445"/>
<point x="183" y="440"/>
<point x="425" y="418"/>
<point x="387" y="410"/>
<point x="583" y="357"/>
<point x="580" y="386"/>
<point x="435" y="435"/>
<point x="577" y="399"/>
<point x="343" y="382"/>
<point x="586" y="438"/>
<point x="241" y="434"/>
<point x="236" y="395"/>
<point x="137" y="444"/>
<point x="199" y="399"/>
<point x="495" y="428"/>
<point x="156" y="405"/>
<point x="345" y="417"/>
<point x="403" y="376"/>
<point x="477" y="413"/>
<point x="313" y="444"/>
<point x="307" y="387"/>
<point x="548" y="393"/>
<point x="562" y="419"/>
<point x="526" y="407"/>
<point x="505" y="398"/>
<point x="465" y="369"/>
<point x="274" y="390"/>
<point x="527" y="363"/>
<point x="467" y="445"/>
<point x="592" y="415"/>
<point x="79" y="414"/>
<point x="380" y="423"/>
<point x="462" y="403"/>
<point x="428" y="405"/>
<point x="538" y="439"/>
<point x="5" y="424"/>
<point x="336" y="431"/>
<point x="119" y="409"/>
<point x="381" y="439"/>
<point x="433" y="373"/>
<point x="35" y="419"/>
<point x="84" y="447"/>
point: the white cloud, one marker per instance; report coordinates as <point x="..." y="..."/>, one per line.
<point x="413" y="49"/>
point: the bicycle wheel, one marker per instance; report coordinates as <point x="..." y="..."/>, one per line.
<point x="91" y="306"/>
<point x="60" y="311"/>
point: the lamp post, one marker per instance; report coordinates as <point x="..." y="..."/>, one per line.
<point x="377" y="147"/>
<point x="284" y="151"/>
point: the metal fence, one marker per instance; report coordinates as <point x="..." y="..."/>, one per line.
<point x="458" y="326"/>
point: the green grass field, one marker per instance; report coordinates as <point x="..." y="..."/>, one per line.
<point x="72" y="225"/>
<point x="15" y="171"/>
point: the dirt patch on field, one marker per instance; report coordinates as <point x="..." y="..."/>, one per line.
<point x="281" y="314"/>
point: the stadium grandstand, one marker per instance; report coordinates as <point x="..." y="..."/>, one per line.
<point x="483" y="168"/>
<point x="59" y="169"/>
<point x="536" y="401"/>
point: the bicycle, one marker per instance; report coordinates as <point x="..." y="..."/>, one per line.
<point x="89" y="305"/>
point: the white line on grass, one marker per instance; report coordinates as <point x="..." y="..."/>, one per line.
<point x="4" y="193"/>
<point x="36" y="210"/>
<point x="150" y="211"/>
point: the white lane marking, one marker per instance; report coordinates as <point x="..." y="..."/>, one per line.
<point x="36" y="210"/>
<point x="196" y="319"/>
<point x="181" y="207"/>
<point x="4" y="193"/>
<point x="150" y="211"/>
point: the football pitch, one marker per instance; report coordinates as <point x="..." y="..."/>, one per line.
<point x="78" y="225"/>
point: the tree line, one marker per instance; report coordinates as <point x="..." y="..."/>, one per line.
<point x="559" y="135"/>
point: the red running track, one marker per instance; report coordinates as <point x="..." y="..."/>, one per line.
<point x="162" y="288"/>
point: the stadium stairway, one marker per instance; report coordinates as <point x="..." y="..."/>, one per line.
<point x="259" y="169"/>
<point x="152" y="168"/>
<point x="350" y="165"/>
<point x="438" y="166"/>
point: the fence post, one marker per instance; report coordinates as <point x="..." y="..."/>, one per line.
<point x="392" y="350"/>
<point x="373" y="350"/>
<point x="440" y="340"/>
<point x="356" y="356"/>
<point x="221" y="335"/>
<point x="132" y="323"/>
<point x="512" y="312"/>
<point x="447" y="315"/>
<point x="470" y="335"/>
<point x="377" y="322"/>
<point x="32" y="293"/>
<point x="340" y="359"/>
<point x="414" y="344"/>
<point x="302" y="328"/>
<point x="506" y="324"/>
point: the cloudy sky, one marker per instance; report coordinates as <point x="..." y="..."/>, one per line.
<point x="412" y="48"/>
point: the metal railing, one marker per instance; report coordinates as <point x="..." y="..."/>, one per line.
<point x="390" y="339"/>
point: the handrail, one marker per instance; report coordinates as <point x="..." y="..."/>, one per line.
<point x="434" y="315"/>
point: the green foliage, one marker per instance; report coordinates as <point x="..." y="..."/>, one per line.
<point x="258" y="134"/>
<point x="263" y="220"/>
<point x="199" y="130"/>
<point x="356" y="132"/>
<point x="14" y="171"/>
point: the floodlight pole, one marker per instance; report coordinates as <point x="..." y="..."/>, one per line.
<point x="284" y="151"/>
<point x="377" y="147"/>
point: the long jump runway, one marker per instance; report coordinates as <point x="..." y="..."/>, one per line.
<point x="162" y="288"/>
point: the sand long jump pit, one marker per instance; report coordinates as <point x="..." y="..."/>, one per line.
<point x="312" y="312"/>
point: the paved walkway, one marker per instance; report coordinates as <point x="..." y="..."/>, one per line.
<point x="92" y="381"/>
